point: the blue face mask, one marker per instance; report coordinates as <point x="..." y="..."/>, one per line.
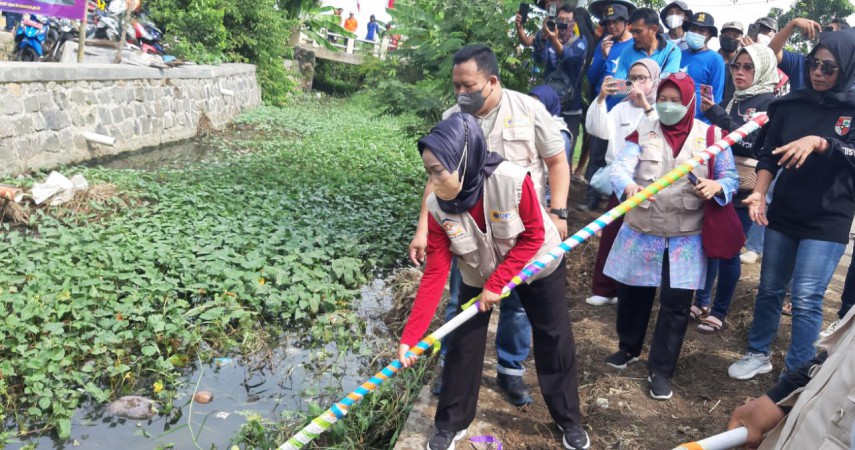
<point x="695" y="41"/>
<point x="670" y="112"/>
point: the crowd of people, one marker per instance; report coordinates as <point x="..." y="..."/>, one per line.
<point x="499" y="174"/>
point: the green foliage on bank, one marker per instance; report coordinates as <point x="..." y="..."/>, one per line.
<point x="215" y="31"/>
<point x="279" y="235"/>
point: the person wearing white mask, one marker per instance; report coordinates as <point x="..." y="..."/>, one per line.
<point x="702" y="64"/>
<point x="767" y="27"/>
<point x="673" y="16"/>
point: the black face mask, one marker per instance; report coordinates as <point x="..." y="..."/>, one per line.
<point x="728" y="44"/>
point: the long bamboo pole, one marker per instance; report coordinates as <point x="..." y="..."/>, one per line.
<point x="337" y="411"/>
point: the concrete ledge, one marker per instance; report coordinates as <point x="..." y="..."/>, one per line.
<point x="21" y="72"/>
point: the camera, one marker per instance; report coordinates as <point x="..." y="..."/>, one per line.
<point x="550" y="25"/>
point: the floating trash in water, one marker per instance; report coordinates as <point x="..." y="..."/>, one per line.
<point x="132" y="407"/>
<point x="203" y="397"/>
<point x="222" y="415"/>
<point x="220" y="362"/>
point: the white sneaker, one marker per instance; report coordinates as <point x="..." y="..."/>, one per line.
<point x="830" y="330"/>
<point x="599" y="300"/>
<point x="749" y="257"/>
<point x="751" y="365"/>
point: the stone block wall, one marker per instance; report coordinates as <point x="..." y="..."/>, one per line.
<point x="46" y="107"/>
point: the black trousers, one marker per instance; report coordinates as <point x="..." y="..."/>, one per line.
<point x="635" y="304"/>
<point x="596" y="160"/>
<point x="545" y="303"/>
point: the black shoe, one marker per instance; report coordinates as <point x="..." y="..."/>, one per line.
<point x="621" y="359"/>
<point x="444" y="440"/>
<point x="436" y="388"/>
<point x="518" y="393"/>
<point x="660" y="387"/>
<point x="575" y="438"/>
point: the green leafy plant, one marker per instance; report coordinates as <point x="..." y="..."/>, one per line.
<point x="306" y="202"/>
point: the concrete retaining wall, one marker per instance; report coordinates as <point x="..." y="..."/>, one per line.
<point x="46" y="107"/>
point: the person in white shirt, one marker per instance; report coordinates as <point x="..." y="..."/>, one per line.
<point x="614" y="126"/>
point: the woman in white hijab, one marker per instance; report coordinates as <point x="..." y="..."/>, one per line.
<point x="755" y="75"/>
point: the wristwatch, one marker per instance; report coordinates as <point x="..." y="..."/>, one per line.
<point x="560" y="212"/>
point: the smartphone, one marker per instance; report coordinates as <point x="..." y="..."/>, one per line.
<point x="753" y="31"/>
<point x="524" y="12"/>
<point x="624" y="87"/>
<point x="692" y="178"/>
<point x="553" y="10"/>
<point x="707" y="92"/>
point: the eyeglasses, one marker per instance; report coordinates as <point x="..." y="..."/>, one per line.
<point x="677" y="75"/>
<point x="826" y="67"/>
<point x="638" y="78"/>
<point x="736" y="67"/>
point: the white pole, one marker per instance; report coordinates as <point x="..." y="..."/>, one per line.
<point x="99" y="138"/>
<point x="723" y="441"/>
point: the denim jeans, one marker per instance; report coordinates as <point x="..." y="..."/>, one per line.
<point x="728" y="272"/>
<point x="568" y="150"/>
<point x="753" y="232"/>
<point x="810" y="264"/>
<point x="513" y="336"/>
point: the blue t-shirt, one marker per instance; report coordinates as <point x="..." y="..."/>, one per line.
<point x="572" y="63"/>
<point x="705" y="67"/>
<point x="602" y="66"/>
<point x="667" y="55"/>
<point x="793" y="64"/>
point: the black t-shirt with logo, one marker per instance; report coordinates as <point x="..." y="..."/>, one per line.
<point x="817" y="200"/>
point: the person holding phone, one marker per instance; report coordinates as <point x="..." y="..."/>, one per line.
<point x="793" y="63"/>
<point x="809" y="138"/>
<point x="659" y="245"/>
<point x="612" y="126"/>
<point x="704" y="65"/>
<point x="755" y="76"/>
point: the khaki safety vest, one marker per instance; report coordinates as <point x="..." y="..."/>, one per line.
<point x="676" y="211"/>
<point x="823" y="412"/>
<point x="513" y="136"/>
<point x="480" y="253"/>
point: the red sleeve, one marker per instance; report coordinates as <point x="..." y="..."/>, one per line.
<point x="528" y="242"/>
<point x="431" y="286"/>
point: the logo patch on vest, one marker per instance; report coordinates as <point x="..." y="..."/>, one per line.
<point x="700" y="143"/>
<point x="452" y="228"/>
<point x="502" y="216"/>
<point x="843" y="124"/>
<point x="513" y="122"/>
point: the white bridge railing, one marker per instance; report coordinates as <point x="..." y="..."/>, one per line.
<point x="352" y="46"/>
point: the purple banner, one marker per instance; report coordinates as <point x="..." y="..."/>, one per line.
<point x="69" y="9"/>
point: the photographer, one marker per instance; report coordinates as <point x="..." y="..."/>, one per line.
<point x="558" y="47"/>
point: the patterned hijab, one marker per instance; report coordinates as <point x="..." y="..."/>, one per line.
<point x="765" y="73"/>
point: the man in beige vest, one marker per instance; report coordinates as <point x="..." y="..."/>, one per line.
<point x="813" y="407"/>
<point x="520" y="129"/>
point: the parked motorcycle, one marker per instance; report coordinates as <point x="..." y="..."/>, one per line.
<point x="147" y="36"/>
<point x="61" y="31"/>
<point x="30" y="37"/>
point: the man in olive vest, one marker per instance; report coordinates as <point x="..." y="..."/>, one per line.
<point x="520" y="129"/>
<point x="813" y="407"/>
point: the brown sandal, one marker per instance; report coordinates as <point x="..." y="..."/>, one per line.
<point x="711" y="325"/>
<point x="698" y="312"/>
<point x="787" y="309"/>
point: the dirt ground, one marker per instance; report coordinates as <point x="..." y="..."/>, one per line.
<point x="617" y="410"/>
